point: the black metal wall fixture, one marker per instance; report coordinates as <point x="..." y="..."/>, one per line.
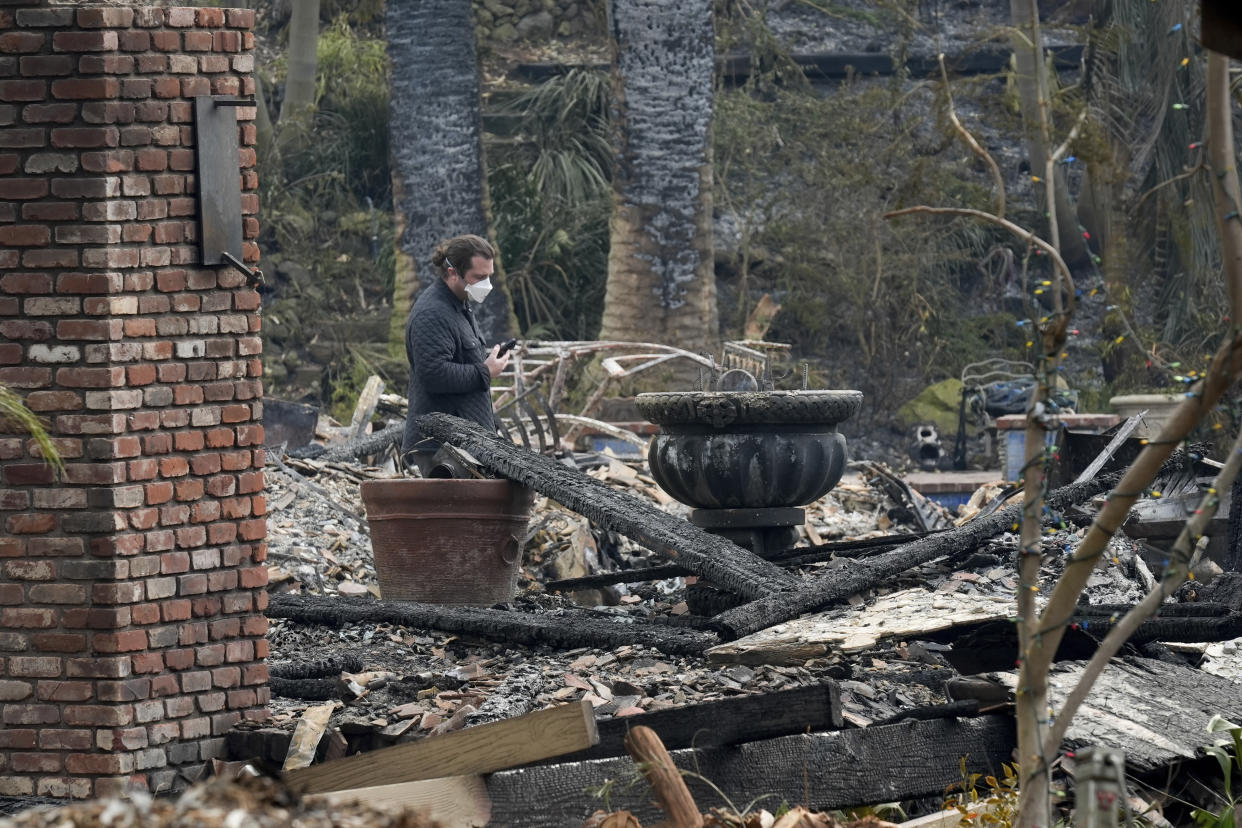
<point x="219" y="183"/>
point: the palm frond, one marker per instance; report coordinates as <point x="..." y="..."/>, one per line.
<point x="16" y="417"/>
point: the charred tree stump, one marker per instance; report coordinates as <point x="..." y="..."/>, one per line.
<point x="722" y="562"/>
<point x="566" y="631"/>
<point x="864" y="574"/>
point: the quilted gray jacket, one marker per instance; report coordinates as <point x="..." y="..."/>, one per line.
<point x="446" y="351"/>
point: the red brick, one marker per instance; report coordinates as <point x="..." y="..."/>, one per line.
<point x="240" y="18"/>
<point x="28" y="618"/>
<point x="84" y="41"/>
<point x="110" y="377"/>
<point x="23" y="90"/>
<point x="100" y="18"/>
<point x="197" y="41"/>
<point x="253" y="530"/>
<point x="189" y="441"/>
<point x="18" y="738"/>
<point x="166" y="41"/>
<point x="23" y="188"/>
<point x="26" y="283"/>
<point x="138" y="41"/>
<point x="19" y="42"/>
<point x="24" y="235"/>
<point x="108" y="112"/>
<point x="51" y="211"/>
<point x="105" y="65"/>
<point x="222" y="85"/>
<point x="59" y="642"/>
<point x="126" y="641"/>
<point x="50" y="258"/>
<point x="66" y="691"/>
<point x="148" y="663"/>
<point x="19" y="138"/>
<point x="99" y="763"/>
<point x="35" y="762"/>
<point x="36" y="65"/>
<point x="213" y="64"/>
<point x="166" y="88"/>
<point x="25" y="376"/>
<point x="114" y="161"/>
<point x="58" y="594"/>
<point x="85" y="137"/>
<point x="30" y="524"/>
<point x="85" y="88"/>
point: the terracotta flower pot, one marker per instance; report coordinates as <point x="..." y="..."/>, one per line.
<point x="447" y="541"/>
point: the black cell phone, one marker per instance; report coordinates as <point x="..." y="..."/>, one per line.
<point x="506" y="347"/>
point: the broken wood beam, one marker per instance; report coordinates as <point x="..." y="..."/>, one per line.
<point x="726" y="721"/>
<point x="482" y="749"/>
<point x="838" y="585"/>
<point x="794" y="556"/>
<point x="670" y="790"/>
<point x="838" y="769"/>
<point x="1184" y="629"/>
<point x="1155" y="712"/>
<point x="566" y="632"/>
<point x="724" y="563"/>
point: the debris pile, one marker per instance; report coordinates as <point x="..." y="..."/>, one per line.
<point x="911" y="631"/>
<point x="254" y="802"/>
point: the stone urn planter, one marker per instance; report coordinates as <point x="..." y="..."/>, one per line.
<point x="747" y="459"/>
<point x="1159" y="408"/>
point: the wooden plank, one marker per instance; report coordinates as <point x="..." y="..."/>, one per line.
<point x="725" y="721"/>
<point x="365" y="407"/>
<point x="481" y="749"/>
<point x="452" y="801"/>
<point x="839" y="769"/>
<point x="1154" y="711"/>
<point x="909" y="613"/>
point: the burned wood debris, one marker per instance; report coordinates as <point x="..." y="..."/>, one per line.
<point x="907" y="646"/>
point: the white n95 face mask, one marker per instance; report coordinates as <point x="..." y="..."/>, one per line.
<point x="479" y="290"/>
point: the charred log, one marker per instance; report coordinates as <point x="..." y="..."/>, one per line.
<point x="565" y="631"/>
<point x="319" y="668"/>
<point x="796" y="556"/>
<point x="368" y="446"/>
<point x="1186" y="630"/>
<point x="310" y="689"/>
<point x="724" y="563"/>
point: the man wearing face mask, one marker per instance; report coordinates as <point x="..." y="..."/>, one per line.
<point x="451" y="368"/>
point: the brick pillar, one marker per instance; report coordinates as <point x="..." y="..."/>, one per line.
<point x="132" y="591"/>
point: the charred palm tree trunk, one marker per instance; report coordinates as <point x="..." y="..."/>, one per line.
<point x="661" y="282"/>
<point x="436" y="135"/>
<point x="1031" y="78"/>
